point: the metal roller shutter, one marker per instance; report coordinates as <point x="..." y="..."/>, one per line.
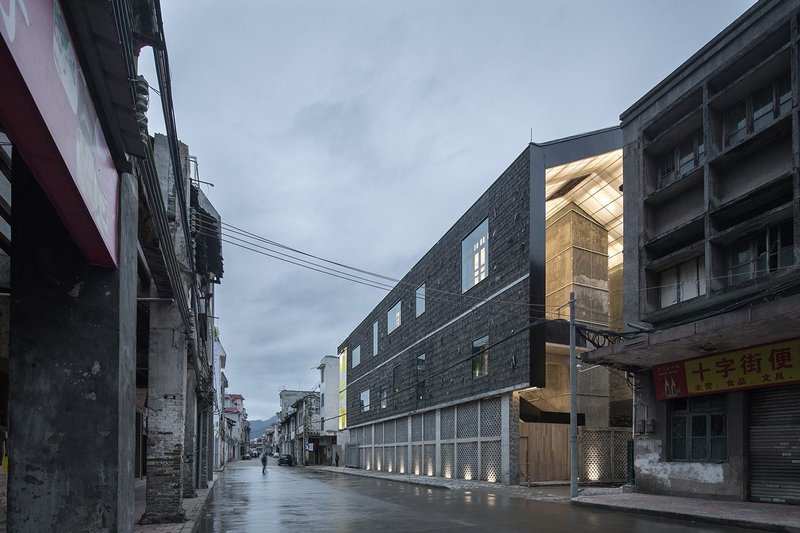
<point x="775" y="445"/>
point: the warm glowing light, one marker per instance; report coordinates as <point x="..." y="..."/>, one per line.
<point x="468" y="472"/>
<point x="491" y="475"/>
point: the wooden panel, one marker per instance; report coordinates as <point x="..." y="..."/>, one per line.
<point x="548" y="451"/>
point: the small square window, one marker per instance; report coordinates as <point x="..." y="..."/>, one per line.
<point x="393" y="317"/>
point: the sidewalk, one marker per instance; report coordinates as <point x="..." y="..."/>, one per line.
<point x="192" y="506"/>
<point x="545" y="492"/>
<point x="751" y="515"/>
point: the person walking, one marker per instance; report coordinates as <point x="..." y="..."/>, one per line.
<point x="264" y="463"/>
<point x="337" y="458"/>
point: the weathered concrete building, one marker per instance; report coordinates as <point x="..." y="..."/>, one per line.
<point x="711" y="167"/>
<point x="108" y="280"/>
<point x="460" y="371"/>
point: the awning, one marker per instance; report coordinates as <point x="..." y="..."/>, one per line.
<point x="758" y="323"/>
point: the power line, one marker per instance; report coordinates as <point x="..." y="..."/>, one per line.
<point x="350" y="277"/>
<point x="244" y="233"/>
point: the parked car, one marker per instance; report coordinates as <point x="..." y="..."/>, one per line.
<point x="275" y="454"/>
<point x="285" y="459"/>
<point x="246" y="456"/>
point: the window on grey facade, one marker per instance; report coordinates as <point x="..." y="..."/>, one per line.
<point x="365" y="400"/>
<point x="683" y="282"/>
<point x="375" y="338"/>
<point x="420" y="304"/>
<point x="384" y="397"/>
<point x="699" y="429"/>
<point x="480" y="357"/>
<point x="762" y="253"/>
<point x="356" y="356"/>
<point x="393" y="317"/>
<point x="758" y="110"/>
<point x="687" y="155"/>
<point x="475" y="256"/>
<point x="322" y="399"/>
<point x="396" y="379"/>
<point x="422" y="372"/>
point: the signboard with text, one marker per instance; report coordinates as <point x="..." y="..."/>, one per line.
<point x="50" y="117"/>
<point x="754" y="367"/>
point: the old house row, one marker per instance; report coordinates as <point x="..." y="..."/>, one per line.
<point x="111" y="255"/>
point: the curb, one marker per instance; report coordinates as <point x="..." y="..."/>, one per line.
<point x="200" y="508"/>
<point x="678" y="515"/>
<point x="408" y="481"/>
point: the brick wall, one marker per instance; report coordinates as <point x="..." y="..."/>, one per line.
<point x="448" y="352"/>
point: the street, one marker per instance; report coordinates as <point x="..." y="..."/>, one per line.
<point x="298" y="499"/>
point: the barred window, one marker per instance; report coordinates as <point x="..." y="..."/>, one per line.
<point x="699" y="429"/>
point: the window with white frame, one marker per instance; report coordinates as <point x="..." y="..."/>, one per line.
<point x="420" y="308"/>
<point x="683" y="282"/>
<point x="475" y="256"/>
<point x="375" y="338"/>
<point x="365" y="401"/>
<point x="480" y="357"/>
<point x="393" y="317"/>
<point x="356" y="355"/>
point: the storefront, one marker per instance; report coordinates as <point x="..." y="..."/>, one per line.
<point x="697" y="394"/>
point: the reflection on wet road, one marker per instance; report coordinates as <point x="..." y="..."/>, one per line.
<point x="298" y="499"/>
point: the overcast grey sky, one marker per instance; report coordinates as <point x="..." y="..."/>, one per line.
<point x="361" y="130"/>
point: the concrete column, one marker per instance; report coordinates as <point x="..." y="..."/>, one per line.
<point x="509" y="438"/>
<point x="72" y="369"/>
<point x="200" y="463"/>
<point x="190" y="427"/>
<point x="211" y="443"/>
<point x="165" y="440"/>
<point x="437" y="468"/>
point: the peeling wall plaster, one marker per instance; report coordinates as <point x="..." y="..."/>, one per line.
<point x="648" y="462"/>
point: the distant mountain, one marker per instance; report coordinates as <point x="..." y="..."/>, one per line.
<point x="257" y="427"/>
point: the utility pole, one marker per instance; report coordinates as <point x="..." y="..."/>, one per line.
<point x="573" y="402"/>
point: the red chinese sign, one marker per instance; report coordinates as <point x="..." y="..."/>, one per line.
<point x="754" y="367"/>
<point x="49" y="114"/>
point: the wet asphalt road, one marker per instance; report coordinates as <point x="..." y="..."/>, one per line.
<point x="298" y="499"/>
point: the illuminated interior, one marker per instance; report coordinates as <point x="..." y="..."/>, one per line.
<point x="598" y="194"/>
